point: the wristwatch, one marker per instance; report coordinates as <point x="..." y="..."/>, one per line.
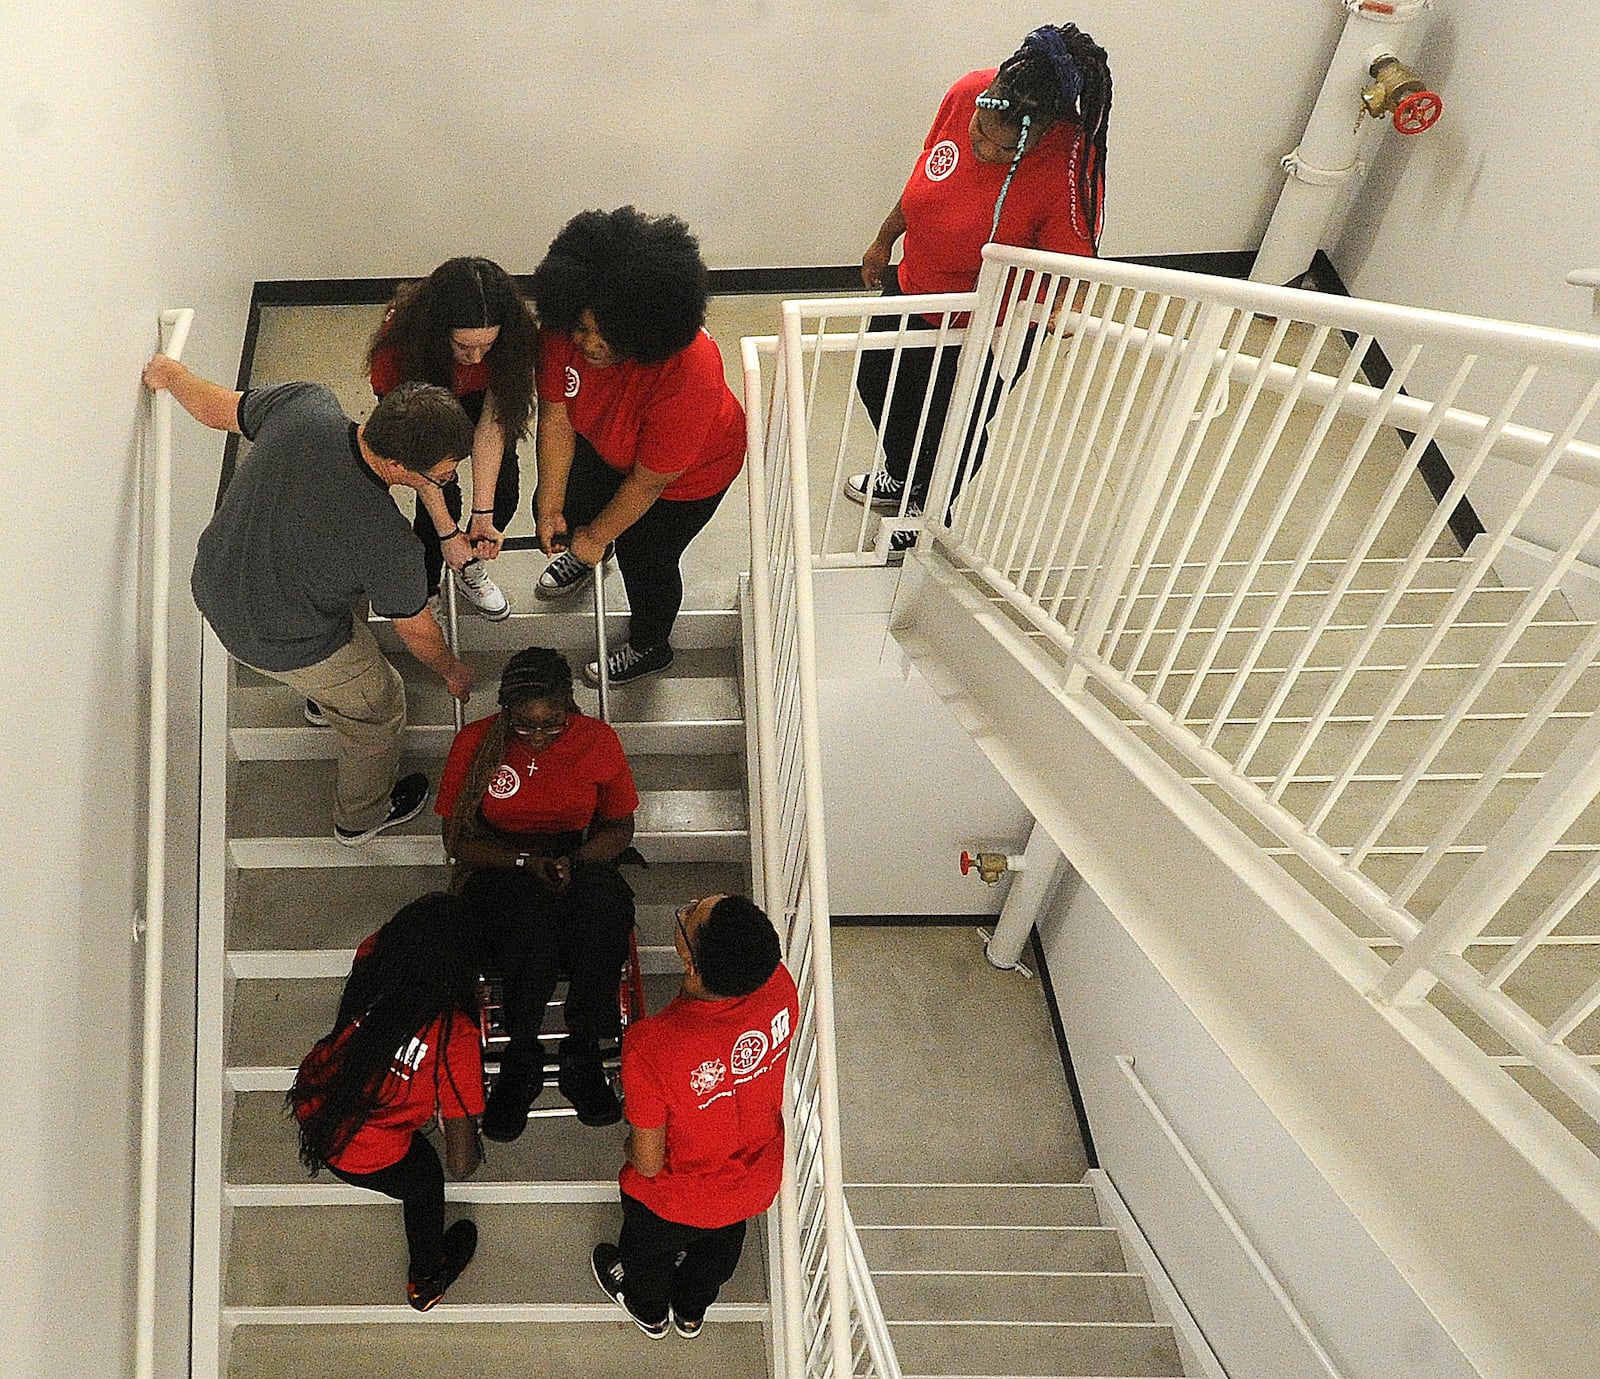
<point x="522" y="859"/>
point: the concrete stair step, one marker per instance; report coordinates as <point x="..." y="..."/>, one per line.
<point x="1102" y="1349"/>
<point x="1060" y="1249"/>
<point x="355" y="1256"/>
<point x="555" y="1153"/>
<point x="985" y="1204"/>
<point x="726" y="1349"/>
<point x="1012" y="1297"/>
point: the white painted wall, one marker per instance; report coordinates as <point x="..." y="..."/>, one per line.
<point x="116" y="200"/>
<point x="386" y="138"/>
<point x="1489" y="211"/>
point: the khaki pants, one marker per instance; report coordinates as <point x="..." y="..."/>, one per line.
<point x="365" y="701"/>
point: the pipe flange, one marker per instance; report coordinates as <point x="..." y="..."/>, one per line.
<point x="1297" y="167"/>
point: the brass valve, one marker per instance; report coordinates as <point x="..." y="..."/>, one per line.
<point x="991" y="866"/>
<point x="1398" y="91"/>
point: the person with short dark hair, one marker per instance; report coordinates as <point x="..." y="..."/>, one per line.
<point x="703" y="1085"/>
<point x="1016" y="155"/>
<point x="466" y="327"/>
<point x="404" y="1049"/>
<point x="639" y="435"/>
<point x="306" y="531"/>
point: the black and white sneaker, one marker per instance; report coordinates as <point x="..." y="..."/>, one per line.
<point x="315" y="715"/>
<point x="687" y="1327"/>
<point x="630" y="663"/>
<point x="405" y="802"/>
<point x="607" y="1261"/>
<point x="564" y="575"/>
<point x="485" y="596"/>
<point x="886" y="490"/>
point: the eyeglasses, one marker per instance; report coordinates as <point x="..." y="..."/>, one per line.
<point x="537" y="727"/>
<point x="438" y="483"/>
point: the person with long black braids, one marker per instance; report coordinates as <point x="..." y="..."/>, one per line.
<point x="538" y="803"/>
<point x="465" y="327"/>
<point x="404" y="1049"/>
<point x="1016" y="155"/>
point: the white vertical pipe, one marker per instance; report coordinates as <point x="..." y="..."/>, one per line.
<point x="601" y="646"/>
<point x="1032" y="889"/>
<point x="174" y="333"/>
<point x="1325" y="158"/>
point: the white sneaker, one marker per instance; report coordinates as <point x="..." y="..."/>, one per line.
<point x="482" y="592"/>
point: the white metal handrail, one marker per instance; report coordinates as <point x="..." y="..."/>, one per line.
<point x="174" y="326"/>
<point x="830" y="1320"/>
<point x="1199" y="575"/>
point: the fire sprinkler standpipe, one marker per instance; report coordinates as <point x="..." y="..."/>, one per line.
<point x="1360" y="83"/>
<point x="1039" y="872"/>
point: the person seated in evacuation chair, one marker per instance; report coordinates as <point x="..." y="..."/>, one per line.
<point x="305" y="532"/>
<point x="639" y="435"/>
<point x="1016" y="155"/>
<point x="403" y="1049"/>
<point x="538" y="803"/>
<point x="466" y="328"/>
<point x="703" y="1080"/>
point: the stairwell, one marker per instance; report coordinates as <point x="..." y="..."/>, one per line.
<point x="309" y="1274"/>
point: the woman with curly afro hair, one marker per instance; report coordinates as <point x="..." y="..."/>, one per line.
<point x="639" y="435"/>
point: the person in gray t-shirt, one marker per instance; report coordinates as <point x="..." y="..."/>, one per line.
<point x="306" y="530"/>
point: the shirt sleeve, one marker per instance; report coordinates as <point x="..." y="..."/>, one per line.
<point x="617" y="796"/>
<point x="641" y="1088"/>
<point x="394" y="578"/>
<point x="553" y="350"/>
<point x="458" y="763"/>
<point x="461" y="1086"/>
<point x="258" y="403"/>
<point x="683" y="408"/>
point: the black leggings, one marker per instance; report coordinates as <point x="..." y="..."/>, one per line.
<point x="913" y="383"/>
<point x="417" y="1181"/>
<point x="654" y="1276"/>
<point x="528" y="934"/>
<point x="648" y="552"/>
<point x="507" y="494"/>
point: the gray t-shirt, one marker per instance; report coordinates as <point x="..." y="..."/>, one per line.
<point x="306" y="529"/>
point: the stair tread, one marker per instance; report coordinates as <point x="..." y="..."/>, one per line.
<point x="1143" y="1349"/>
<point x="1065" y="1204"/>
<point x="1070" y="1249"/>
<point x="1067" y="1297"/>
<point x="527" y="1253"/>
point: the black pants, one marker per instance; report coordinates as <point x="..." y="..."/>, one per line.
<point x="653" y="1278"/>
<point x="507" y="493"/>
<point x="648" y="552"/>
<point x="915" y="380"/>
<point x="529" y="935"/>
<point x="417" y="1181"/>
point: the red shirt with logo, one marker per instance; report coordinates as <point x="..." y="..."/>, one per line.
<point x="679" y="415"/>
<point x="580" y="777"/>
<point x="422" y="1081"/>
<point x="385" y="372"/>
<point x="712" y="1073"/>
<point x="948" y="203"/>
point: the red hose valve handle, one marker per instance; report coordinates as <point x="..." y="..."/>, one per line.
<point x="968" y="862"/>
<point x="1417" y="112"/>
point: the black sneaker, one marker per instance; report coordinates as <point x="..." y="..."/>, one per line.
<point x="314" y="714"/>
<point x="460" y="1244"/>
<point x="687" y="1327"/>
<point x="405" y="802"/>
<point x="564" y="575"/>
<point x="607" y="1261"/>
<point x="584" y="1083"/>
<point x="886" y="490"/>
<point x="515" y="1090"/>
<point x="629" y="663"/>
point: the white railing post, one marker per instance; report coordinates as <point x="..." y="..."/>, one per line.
<point x="174" y="334"/>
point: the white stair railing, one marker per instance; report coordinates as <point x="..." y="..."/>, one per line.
<point x="829" y="1322"/>
<point x="158" y="490"/>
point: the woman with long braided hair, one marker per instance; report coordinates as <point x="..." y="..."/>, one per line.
<point x="1016" y="155"/>
<point x="403" y="1049"/>
<point x="538" y="803"/>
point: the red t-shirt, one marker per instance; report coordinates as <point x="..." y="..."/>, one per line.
<point x="580" y="777"/>
<point x="675" y="416"/>
<point x="419" y="1084"/>
<point x="385" y="373"/>
<point x="712" y="1072"/>
<point x="948" y="203"/>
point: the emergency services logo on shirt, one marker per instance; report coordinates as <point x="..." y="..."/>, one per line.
<point x="748" y="1051"/>
<point x="505" y="783"/>
<point x="572" y="381"/>
<point x="706" y="1076"/>
<point x="942" y="160"/>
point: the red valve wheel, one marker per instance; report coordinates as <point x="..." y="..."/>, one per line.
<point x="968" y="862"/>
<point x="1417" y="112"/>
